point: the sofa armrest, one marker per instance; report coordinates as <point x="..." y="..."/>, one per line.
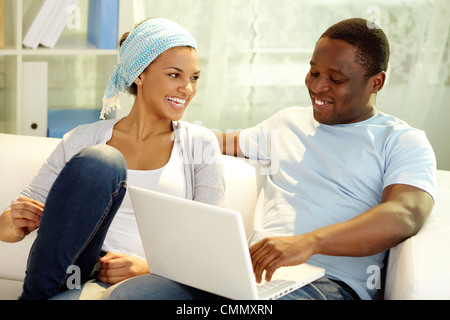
<point x="20" y="160"/>
<point x="418" y="267"/>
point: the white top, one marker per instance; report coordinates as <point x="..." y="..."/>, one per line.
<point x="123" y="234"/>
<point x="322" y="175"/>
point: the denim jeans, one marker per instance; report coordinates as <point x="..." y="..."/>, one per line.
<point x="78" y="212"/>
<point x="152" y="287"/>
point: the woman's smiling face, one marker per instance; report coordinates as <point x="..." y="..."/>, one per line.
<point x="338" y="87"/>
<point x="170" y="82"/>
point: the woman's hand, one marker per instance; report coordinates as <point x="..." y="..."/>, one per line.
<point x="25" y="216"/>
<point x="116" y="267"/>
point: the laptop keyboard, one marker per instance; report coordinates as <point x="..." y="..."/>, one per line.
<point x="265" y="286"/>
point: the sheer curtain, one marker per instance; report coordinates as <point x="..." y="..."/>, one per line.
<point x="255" y="54"/>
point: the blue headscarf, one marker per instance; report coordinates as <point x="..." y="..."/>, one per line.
<point x="141" y="47"/>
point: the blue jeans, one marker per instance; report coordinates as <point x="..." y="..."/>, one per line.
<point x="152" y="287"/>
<point x="78" y="212"/>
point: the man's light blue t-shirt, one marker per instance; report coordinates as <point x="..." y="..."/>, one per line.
<point x="321" y="175"/>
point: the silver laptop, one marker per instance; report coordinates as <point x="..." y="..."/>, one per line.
<point x="205" y="247"/>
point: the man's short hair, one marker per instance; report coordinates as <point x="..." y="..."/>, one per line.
<point x="370" y="41"/>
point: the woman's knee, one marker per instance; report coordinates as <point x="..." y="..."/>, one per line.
<point x="101" y="160"/>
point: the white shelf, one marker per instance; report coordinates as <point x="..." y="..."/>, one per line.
<point x="72" y="62"/>
<point x="68" y="52"/>
<point x="8" y="52"/>
<point x="70" y="45"/>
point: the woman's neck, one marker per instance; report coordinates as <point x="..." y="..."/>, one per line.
<point x="143" y="125"/>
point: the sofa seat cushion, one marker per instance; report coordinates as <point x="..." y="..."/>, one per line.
<point x="10" y="289"/>
<point x="14" y="258"/>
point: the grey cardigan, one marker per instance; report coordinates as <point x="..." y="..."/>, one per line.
<point x="203" y="167"/>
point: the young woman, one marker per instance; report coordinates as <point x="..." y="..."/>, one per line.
<point x="87" y="212"/>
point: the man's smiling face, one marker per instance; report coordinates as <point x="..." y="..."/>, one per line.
<point x="339" y="90"/>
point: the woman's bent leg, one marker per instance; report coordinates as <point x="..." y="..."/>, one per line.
<point x="78" y="212"/>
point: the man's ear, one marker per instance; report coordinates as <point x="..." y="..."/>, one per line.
<point x="378" y="81"/>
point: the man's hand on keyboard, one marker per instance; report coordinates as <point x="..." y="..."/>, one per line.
<point x="275" y="252"/>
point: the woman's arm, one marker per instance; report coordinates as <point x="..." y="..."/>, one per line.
<point x="23" y="218"/>
<point x="207" y="169"/>
<point x="116" y="267"/>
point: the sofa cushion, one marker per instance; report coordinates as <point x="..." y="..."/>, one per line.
<point x="14" y="258"/>
<point x="20" y="160"/>
<point x="10" y="289"/>
<point x="240" y="175"/>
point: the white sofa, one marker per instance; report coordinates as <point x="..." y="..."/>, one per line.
<point x="417" y="268"/>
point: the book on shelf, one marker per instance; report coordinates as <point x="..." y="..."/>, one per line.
<point x="61" y="16"/>
<point x="103" y="20"/>
<point x="36" y="20"/>
<point x="45" y="21"/>
<point x="2" y="24"/>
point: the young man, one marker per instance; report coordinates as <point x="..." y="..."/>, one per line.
<point x="347" y="181"/>
<point x="351" y="181"/>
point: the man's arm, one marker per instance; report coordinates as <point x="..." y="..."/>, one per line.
<point x="229" y="143"/>
<point x="403" y="211"/>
